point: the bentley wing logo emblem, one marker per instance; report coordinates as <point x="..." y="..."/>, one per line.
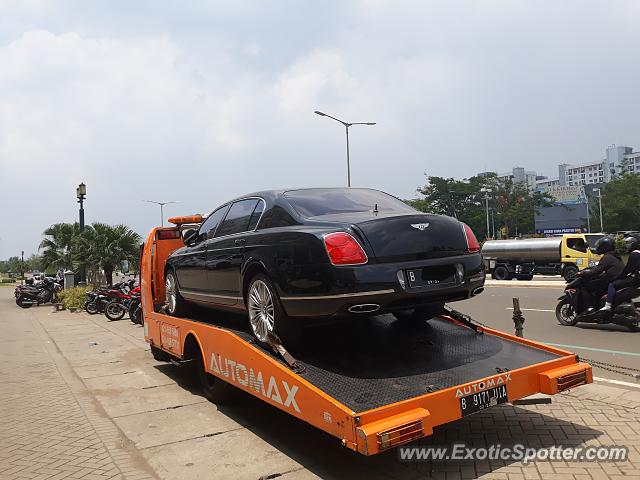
<point x="420" y="226"/>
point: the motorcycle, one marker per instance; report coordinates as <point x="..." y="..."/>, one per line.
<point x="98" y="299"/>
<point x="120" y="302"/>
<point x="625" y="310"/>
<point x="135" y="309"/>
<point x="44" y="291"/>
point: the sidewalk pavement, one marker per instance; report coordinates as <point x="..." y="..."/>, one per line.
<point x="83" y="398"/>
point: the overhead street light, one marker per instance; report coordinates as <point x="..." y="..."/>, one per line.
<point x="600" y="203"/>
<point x="162" y="204"/>
<point x="487" y="191"/>
<point x="346" y="126"/>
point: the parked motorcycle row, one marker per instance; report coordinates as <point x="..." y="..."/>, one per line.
<point x="38" y="292"/>
<point x="116" y="301"/>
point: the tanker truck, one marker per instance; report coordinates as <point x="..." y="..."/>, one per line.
<point x="563" y="255"/>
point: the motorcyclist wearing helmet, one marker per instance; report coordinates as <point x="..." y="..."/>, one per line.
<point x="606" y="271"/>
<point x="630" y="275"/>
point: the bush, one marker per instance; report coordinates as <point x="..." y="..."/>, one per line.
<point x="74" y="297"/>
<point x="7" y="280"/>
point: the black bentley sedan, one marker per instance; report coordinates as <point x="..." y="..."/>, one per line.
<point x="293" y="257"/>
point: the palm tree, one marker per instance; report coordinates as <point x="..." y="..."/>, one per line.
<point x="106" y="246"/>
<point x="58" y="246"/>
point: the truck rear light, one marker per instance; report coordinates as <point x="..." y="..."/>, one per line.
<point x="571" y="380"/>
<point x="168" y="234"/>
<point x="400" y="435"/>
<point x="343" y="249"/>
<point x="472" y="242"/>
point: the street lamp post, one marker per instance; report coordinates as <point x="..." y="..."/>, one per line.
<point x="346" y="127"/>
<point x="162" y="204"/>
<point x="487" y="191"/>
<point x="81" y="194"/>
<point x="600" y="205"/>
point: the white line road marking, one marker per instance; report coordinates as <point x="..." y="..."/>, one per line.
<point x="532" y="309"/>
<point x="616" y="382"/>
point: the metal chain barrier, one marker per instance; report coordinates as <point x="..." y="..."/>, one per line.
<point x="619" y="369"/>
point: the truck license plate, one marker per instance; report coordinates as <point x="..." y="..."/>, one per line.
<point x="487" y="398"/>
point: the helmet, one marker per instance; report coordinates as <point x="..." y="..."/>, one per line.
<point x="632" y="242"/>
<point x="604" y="245"/>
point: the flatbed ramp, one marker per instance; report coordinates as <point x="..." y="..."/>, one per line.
<point x="381" y="360"/>
<point x="372" y="383"/>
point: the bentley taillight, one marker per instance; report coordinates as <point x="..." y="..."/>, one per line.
<point x="472" y="242"/>
<point x="343" y="249"/>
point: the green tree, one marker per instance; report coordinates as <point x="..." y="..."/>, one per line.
<point x="105" y="246"/>
<point x="513" y="204"/>
<point x="621" y="203"/>
<point x="58" y="246"/>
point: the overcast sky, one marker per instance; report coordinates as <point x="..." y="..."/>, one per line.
<point x="201" y="101"/>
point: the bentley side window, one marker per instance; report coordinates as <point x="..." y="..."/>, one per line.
<point x="255" y="217"/>
<point x="208" y="228"/>
<point x="237" y="219"/>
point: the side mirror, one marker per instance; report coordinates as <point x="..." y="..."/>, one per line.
<point x="189" y="236"/>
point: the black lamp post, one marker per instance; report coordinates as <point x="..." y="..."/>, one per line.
<point x="346" y="126"/>
<point x="81" y="194"/>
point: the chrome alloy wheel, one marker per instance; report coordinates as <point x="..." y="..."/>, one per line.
<point x="261" y="310"/>
<point x="170" y="293"/>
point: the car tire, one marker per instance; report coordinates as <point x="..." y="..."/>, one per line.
<point x="570" y="273"/>
<point x="565" y="314"/>
<point x="501" y="273"/>
<point x="176" y="305"/>
<point x="266" y="313"/>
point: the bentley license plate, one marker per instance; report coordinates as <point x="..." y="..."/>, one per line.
<point x="487" y="398"/>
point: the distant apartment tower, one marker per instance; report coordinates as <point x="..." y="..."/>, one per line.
<point x="618" y="159"/>
<point x="520" y="175"/>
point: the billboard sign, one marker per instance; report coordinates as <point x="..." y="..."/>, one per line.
<point x="566" y="195"/>
<point x="558" y="231"/>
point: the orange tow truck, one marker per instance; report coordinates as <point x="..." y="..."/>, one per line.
<point x="373" y="388"/>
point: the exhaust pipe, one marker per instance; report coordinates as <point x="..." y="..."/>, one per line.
<point x="477" y="291"/>
<point x="364" y="308"/>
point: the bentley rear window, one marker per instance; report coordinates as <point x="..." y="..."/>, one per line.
<point x="315" y="202"/>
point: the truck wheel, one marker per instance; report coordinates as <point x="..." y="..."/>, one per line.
<point x="525" y="276"/>
<point x="159" y="354"/>
<point x="570" y="273"/>
<point x="176" y="305"/>
<point x="266" y="313"/>
<point x="501" y="273"/>
<point x="565" y="313"/>
<point x="214" y="389"/>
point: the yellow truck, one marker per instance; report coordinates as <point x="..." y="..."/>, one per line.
<point x="563" y="255"/>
